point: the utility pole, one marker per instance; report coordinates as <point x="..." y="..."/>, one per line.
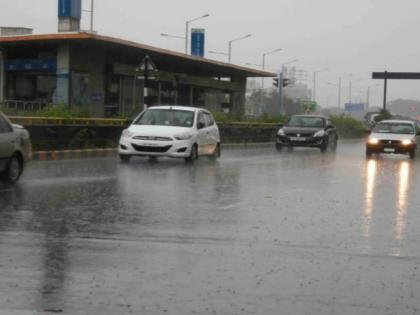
<point x="92" y="7"/>
<point x="339" y="93"/>
<point x="385" y="89"/>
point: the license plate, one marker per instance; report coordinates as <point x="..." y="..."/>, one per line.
<point x="389" y="150"/>
<point x="297" y="139"/>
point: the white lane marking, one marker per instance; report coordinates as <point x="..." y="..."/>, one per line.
<point x="233" y="205"/>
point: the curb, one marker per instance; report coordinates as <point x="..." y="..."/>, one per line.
<point x="72" y="154"/>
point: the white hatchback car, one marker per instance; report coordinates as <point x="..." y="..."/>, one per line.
<point x="394" y="136"/>
<point x="171" y="131"/>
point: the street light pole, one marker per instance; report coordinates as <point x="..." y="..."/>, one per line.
<point x="339" y="88"/>
<point x="230" y="45"/>
<point x="281" y="78"/>
<point x="92" y="6"/>
<point x="187" y="28"/>
<point x="263" y="67"/>
<point x="314" y="90"/>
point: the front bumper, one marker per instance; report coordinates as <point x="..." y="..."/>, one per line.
<point x="391" y="148"/>
<point x="174" y="149"/>
<point x="299" y="142"/>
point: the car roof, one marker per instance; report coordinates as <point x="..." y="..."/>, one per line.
<point x="176" y="107"/>
<point x="313" y="116"/>
<point x="397" y="121"/>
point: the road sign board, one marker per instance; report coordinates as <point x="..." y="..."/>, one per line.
<point x="197" y="42"/>
<point x="309" y="106"/>
<point x="396" y="75"/>
<point x="146" y="64"/>
<point x="355" y="107"/>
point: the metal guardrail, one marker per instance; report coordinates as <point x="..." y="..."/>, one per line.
<point x="68" y="121"/>
<point x="32" y="106"/>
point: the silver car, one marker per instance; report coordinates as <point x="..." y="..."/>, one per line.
<point x="15" y="150"/>
<point x="394" y="136"/>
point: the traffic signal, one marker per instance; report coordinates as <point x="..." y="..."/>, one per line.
<point x="276" y="82"/>
<point x="286" y="82"/>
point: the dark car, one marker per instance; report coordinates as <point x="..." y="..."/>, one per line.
<point x="307" y="131"/>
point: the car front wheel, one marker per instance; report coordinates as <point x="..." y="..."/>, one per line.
<point x="324" y="145"/>
<point x="413" y="154"/>
<point x="125" y="158"/>
<point x="13" y="171"/>
<point x="193" y="155"/>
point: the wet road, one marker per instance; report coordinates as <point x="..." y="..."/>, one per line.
<point x="255" y="233"/>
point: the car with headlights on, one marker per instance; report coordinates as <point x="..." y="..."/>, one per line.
<point x="171" y="131"/>
<point x="394" y="137"/>
<point x="15" y="150"/>
<point x="307" y="131"/>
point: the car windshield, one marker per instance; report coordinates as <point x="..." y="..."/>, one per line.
<point x="166" y="117"/>
<point x="306" y="122"/>
<point x="397" y="128"/>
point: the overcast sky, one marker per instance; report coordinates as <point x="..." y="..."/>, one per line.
<point x="357" y="36"/>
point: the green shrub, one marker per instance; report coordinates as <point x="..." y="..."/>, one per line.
<point x="348" y="127"/>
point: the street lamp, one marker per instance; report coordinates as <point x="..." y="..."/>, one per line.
<point x="234" y="40"/>
<point x="217" y="52"/>
<point x="187" y="28"/>
<point x="172" y="36"/>
<point x="314" y="90"/>
<point x="339" y="87"/>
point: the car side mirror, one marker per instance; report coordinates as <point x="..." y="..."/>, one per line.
<point x="200" y="125"/>
<point x="418" y="133"/>
<point x="330" y="127"/>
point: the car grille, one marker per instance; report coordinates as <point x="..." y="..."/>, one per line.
<point x="295" y="134"/>
<point x="143" y="148"/>
<point x="152" y="138"/>
<point x="390" y="142"/>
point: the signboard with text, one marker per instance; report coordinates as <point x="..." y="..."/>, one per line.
<point x="197" y="42"/>
<point x="354" y="107"/>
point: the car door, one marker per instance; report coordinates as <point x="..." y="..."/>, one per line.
<point x="202" y="133"/>
<point x="212" y="134"/>
<point x="417" y="129"/>
<point x="6" y="142"/>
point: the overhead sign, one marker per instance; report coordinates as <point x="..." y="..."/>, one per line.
<point x="355" y="107"/>
<point x="70" y="9"/>
<point x="197" y="42"/>
<point x="396" y="75"/>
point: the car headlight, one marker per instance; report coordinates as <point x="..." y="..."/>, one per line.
<point x="373" y="141"/>
<point x="186" y="136"/>
<point x="281" y="132"/>
<point x="127" y="133"/>
<point x="320" y="133"/>
<point x="407" y="142"/>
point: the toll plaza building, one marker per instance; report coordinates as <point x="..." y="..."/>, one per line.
<point x="100" y="75"/>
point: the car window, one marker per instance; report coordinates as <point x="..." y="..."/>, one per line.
<point x="209" y="119"/>
<point x="166" y="117"/>
<point x="4" y="125"/>
<point x="307" y="122"/>
<point x="396" y="128"/>
<point x="202" y="119"/>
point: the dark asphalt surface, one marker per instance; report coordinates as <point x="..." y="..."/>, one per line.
<point x="257" y="232"/>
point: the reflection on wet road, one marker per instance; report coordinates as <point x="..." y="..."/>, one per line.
<point x="257" y="232"/>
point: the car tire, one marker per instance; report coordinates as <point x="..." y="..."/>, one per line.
<point x="279" y="147"/>
<point x="334" y="145"/>
<point x="324" y="146"/>
<point x="193" y="155"/>
<point x="368" y="152"/>
<point x="216" y="154"/>
<point x="125" y="158"/>
<point x="412" y="154"/>
<point x="13" y="171"/>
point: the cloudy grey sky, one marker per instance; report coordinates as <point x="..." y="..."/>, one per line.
<point x="357" y="36"/>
